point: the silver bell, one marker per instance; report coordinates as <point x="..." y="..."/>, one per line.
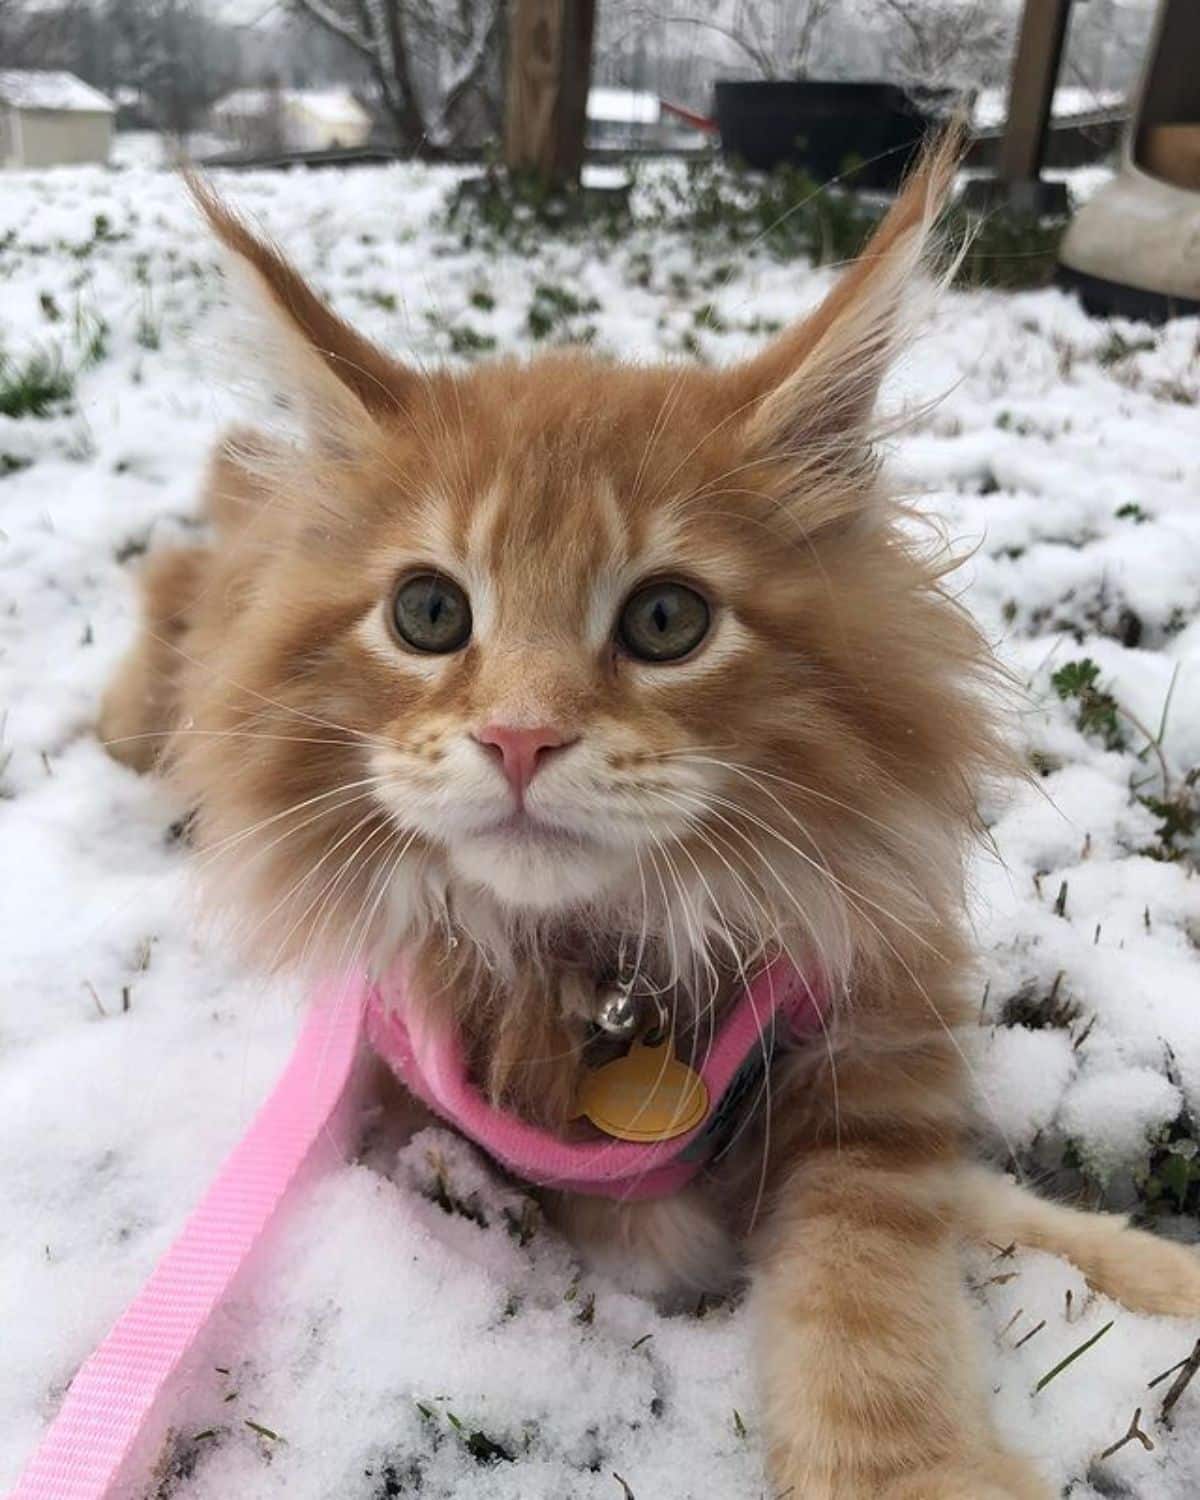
<point x="617" y="1012"/>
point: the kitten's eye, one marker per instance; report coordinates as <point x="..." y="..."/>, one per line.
<point x="431" y="613"/>
<point x="663" y="622"/>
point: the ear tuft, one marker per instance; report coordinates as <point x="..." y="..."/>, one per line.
<point x="379" y="385"/>
<point x="816" y="386"/>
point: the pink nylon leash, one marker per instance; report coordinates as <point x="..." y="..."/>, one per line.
<point x="100" y="1431"/>
<point x="100" y="1445"/>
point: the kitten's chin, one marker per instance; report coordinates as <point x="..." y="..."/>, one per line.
<point x="542" y="876"/>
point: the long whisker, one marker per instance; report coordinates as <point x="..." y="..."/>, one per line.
<point x="848" y="893"/>
<point x="323" y="896"/>
<point x="769" y="931"/>
<point x="659" y="427"/>
<point x="668" y="918"/>
<point x="696" y="942"/>
<point x="821" y="865"/>
<point x="212" y="852"/>
<point x="731" y="416"/>
<point x="814" y="934"/>
<point x="362" y="736"/>
<point x="757" y="774"/>
<point x="308" y="874"/>
<point x="709" y="837"/>
<point x="740" y="962"/>
<point x="763" y="1097"/>
<point x="665" y="1063"/>
<point x="707" y="803"/>
<point x="243" y="734"/>
<point x="360" y="932"/>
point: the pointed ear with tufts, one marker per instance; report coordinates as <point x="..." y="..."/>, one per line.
<point x="335" y="376"/>
<point x="813" y="391"/>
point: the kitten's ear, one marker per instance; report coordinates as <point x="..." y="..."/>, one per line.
<point x="814" y="389"/>
<point x="335" y="375"/>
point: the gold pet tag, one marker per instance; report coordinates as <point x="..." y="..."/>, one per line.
<point x="647" y="1095"/>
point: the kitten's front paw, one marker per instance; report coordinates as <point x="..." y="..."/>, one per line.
<point x="1147" y="1274"/>
<point x="1001" y="1476"/>
<point x="991" y="1476"/>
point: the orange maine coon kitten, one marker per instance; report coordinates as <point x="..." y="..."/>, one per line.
<point x="516" y="669"/>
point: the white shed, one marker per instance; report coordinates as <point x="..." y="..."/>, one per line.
<point x="292" y="119"/>
<point x="50" y="119"/>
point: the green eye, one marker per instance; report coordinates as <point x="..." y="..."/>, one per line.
<point x="431" y="613"/>
<point x="663" y="622"/>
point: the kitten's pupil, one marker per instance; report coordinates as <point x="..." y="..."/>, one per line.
<point x="663" y="622"/>
<point x="431" y="613"/>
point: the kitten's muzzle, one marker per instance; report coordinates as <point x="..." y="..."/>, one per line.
<point x="520" y="753"/>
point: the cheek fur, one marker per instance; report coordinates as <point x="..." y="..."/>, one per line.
<point x="375" y="638"/>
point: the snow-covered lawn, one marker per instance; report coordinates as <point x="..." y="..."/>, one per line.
<point x="387" y="1347"/>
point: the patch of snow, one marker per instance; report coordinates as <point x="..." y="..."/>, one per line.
<point x="603" y="175"/>
<point x="1115" y="1113"/>
<point x="147" y="149"/>
<point x="1070" y="102"/>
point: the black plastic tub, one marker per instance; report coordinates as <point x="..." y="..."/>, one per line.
<point x="824" y="128"/>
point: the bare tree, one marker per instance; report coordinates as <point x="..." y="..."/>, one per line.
<point x="14" y="17"/>
<point x="457" y="46"/>
<point x="952" y="43"/>
<point x="53" y="35"/>
<point x="775" y="37"/>
<point x="426" y="57"/>
<point x="681" y="46"/>
<point x="146" y="40"/>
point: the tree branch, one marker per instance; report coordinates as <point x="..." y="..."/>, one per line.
<point x="470" y="65"/>
<point x="760" y="60"/>
<point x="325" y="16"/>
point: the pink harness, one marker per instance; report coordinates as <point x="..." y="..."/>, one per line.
<point x="431" y="1065"/>
<point x="103" y="1442"/>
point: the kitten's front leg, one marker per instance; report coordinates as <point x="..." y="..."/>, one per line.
<point x="871" y="1389"/>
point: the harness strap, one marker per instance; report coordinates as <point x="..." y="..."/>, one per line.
<point x="101" y="1433"/>
<point x="431" y="1064"/>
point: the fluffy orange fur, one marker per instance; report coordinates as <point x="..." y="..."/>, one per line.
<point x="804" y="782"/>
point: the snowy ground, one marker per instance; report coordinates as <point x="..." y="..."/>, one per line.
<point x="390" y="1347"/>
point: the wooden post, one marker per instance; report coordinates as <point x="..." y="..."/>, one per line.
<point x="1031" y="97"/>
<point x="549" y="67"/>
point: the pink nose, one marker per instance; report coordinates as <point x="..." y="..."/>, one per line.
<point x="521" y="752"/>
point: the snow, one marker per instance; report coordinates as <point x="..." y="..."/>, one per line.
<point x="134" y="1048"/>
<point x="36" y="88"/>
<point x="1070" y="100"/>
<point x="151" y="148"/>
